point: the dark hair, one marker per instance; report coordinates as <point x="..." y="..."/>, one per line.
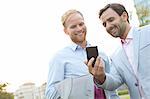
<point x="118" y="8"/>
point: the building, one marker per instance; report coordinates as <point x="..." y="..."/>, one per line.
<point x="39" y="92"/>
<point x="30" y="91"/>
<point x="25" y="91"/>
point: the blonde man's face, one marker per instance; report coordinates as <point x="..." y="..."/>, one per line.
<point x="75" y="28"/>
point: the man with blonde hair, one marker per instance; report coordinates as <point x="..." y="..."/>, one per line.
<point x="68" y="74"/>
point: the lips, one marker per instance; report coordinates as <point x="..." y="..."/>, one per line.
<point x="112" y="30"/>
<point x="79" y="34"/>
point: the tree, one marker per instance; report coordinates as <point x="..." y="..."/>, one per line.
<point x="3" y="93"/>
<point x="143" y="13"/>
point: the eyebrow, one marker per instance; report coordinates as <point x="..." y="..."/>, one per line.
<point x="110" y="18"/>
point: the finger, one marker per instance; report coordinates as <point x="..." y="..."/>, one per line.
<point x="101" y="66"/>
<point x="90" y="65"/>
<point x="90" y="61"/>
<point x="101" y="63"/>
<point x="96" y="66"/>
<point x="97" y="61"/>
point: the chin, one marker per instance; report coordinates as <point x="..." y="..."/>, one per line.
<point x="114" y="36"/>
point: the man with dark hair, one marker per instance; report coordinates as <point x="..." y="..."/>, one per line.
<point x="118" y="8"/>
<point x="131" y="63"/>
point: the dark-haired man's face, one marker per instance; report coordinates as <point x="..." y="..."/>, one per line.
<point x="115" y="25"/>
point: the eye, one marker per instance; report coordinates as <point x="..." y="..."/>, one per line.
<point x="73" y="26"/>
<point x="104" y="24"/>
<point x="81" y="24"/>
<point x="111" y="19"/>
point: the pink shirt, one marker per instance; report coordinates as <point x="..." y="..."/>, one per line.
<point x="128" y="47"/>
<point x="99" y="93"/>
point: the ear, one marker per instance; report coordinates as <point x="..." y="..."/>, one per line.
<point x="124" y="16"/>
<point x="65" y="30"/>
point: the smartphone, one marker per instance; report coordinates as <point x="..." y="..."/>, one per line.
<point x="92" y="52"/>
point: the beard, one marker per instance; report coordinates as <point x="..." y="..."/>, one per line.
<point x="79" y="39"/>
<point x="117" y="30"/>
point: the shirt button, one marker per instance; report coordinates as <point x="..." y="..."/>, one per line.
<point x="136" y="84"/>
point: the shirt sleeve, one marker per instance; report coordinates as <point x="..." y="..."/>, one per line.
<point x="112" y="76"/>
<point x="112" y="81"/>
<point x="106" y="61"/>
<point x="56" y="74"/>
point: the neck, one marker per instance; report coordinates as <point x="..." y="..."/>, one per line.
<point x="82" y="44"/>
<point x="126" y="32"/>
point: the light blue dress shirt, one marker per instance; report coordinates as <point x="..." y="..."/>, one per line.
<point x="68" y="62"/>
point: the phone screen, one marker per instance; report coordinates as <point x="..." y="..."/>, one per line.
<point x="92" y="52"/>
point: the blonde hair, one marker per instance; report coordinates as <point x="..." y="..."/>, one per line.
<point x="67" y="14"/>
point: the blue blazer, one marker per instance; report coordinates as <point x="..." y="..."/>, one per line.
<point x="122" y="72"/>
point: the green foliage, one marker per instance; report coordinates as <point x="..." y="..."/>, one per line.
<point x="124" y="97"/>
<point x="143" y="13"/>
<point x="2" y="87"/>
<point x="3" y="93"/>
<point x="123" y="92"/>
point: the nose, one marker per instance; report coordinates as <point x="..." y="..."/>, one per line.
<point x="108" y="26"/>
<point x="79" y="27"/>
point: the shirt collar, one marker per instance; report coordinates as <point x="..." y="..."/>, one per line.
<point x="75" y="46"/>
<point x="130" y="34"/>
<point x="128" y="38"/>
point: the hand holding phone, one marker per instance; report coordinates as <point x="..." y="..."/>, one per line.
<point x="92" y="52"/>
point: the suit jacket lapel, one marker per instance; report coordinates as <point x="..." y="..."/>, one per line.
<point x="125" y="61"/>
<point x="136" y="43"/>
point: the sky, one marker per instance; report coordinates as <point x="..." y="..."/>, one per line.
<point x="31" y="33"/>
